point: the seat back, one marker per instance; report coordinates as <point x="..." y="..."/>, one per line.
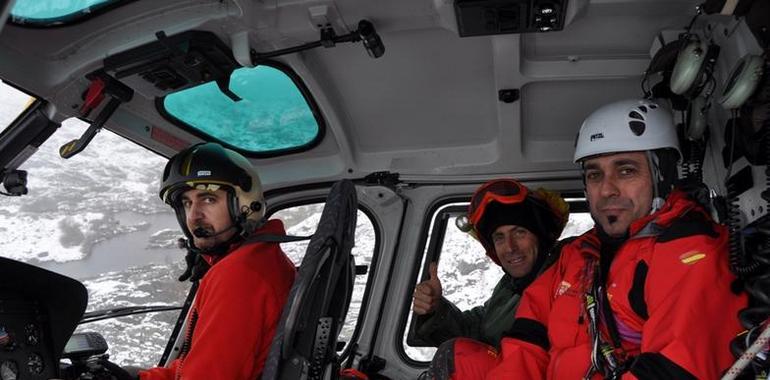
<point x="306" y="338"/>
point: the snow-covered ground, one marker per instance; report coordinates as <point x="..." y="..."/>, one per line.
<point x="74" y="204"/>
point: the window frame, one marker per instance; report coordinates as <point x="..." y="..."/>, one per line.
<point x="420" y="267"/>
<point x="304" y="91"/>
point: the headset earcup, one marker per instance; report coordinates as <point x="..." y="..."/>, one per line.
<point x="665" y="57"/>
<point x="688" y="67"/>
<point x="742" y="82"/>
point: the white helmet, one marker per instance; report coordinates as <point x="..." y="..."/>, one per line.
<point x="626" y="126"/>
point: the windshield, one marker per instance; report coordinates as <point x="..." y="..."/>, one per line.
<point x="99" y="220"/>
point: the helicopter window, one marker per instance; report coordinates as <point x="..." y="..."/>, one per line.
<point x="273" y="116"/>
<point x="55" y="12"/>
<point x="14" y="103"/>
<point x="302" y="221"/>
<point x="467" y="276"/>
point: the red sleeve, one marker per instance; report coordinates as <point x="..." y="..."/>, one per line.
<point x="692" y="310"/>
<point x="525" y="352"/>
<point x="160" y="373"/>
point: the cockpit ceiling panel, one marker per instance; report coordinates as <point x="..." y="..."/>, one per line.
<point x="431" y="89"/>
<point x="553" y="110"/>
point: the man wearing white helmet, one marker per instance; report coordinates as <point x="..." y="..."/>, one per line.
<point x="647" y="292"/>
<point x="244" y="283"/>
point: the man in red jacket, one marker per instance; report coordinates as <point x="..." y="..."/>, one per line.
<point x="646" y="293"/>
<point x="217" y="197"/>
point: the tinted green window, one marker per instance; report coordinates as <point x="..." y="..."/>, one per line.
<point x="45" y="11"/>
<point x="272" y="115"/>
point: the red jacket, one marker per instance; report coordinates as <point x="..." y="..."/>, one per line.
<point x="668" y="288"/>
<point x="235" y="314"/>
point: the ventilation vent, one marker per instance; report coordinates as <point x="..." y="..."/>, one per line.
<point x="637" y="127"/>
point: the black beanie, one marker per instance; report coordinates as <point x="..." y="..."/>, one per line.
<point x="524" y="214"/>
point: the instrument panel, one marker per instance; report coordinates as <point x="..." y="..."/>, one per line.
<point x="25" y="343"/>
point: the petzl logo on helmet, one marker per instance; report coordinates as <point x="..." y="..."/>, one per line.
<point x="203" y="173"/>
<point x="597" y="136"/>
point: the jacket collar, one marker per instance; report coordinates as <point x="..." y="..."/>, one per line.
<point x="272" y="226"/>
<point x="677" y="204"/>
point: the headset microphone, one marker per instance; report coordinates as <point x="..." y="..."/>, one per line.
<point x="203" y="233"/>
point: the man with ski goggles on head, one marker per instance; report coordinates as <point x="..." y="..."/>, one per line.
<point x="517" y="227"/>
<point x="647" y="292"/>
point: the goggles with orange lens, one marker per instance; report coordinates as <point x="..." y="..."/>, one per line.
<point x="505" y="191"/>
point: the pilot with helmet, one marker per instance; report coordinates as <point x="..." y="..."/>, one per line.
<point x="243" y="284"/>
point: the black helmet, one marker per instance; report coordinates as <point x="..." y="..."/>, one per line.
<point x="209" y="166"/>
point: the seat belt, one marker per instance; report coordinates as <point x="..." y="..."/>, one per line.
<point x="272" y="238"/>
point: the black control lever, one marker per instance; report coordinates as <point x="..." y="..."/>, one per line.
<point x="101" y="85"/>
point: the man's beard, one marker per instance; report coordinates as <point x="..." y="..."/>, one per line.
<point x="203" y="231"/>
<point x="207" y="237"/>
<point x="616" y="203"/>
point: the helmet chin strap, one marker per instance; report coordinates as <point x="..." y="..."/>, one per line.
<point x="657" y="180"/>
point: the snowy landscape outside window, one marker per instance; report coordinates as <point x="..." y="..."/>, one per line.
<point x="99" y="220"/>
<point x="97" y="217"/>
<point x="467" y="275"/>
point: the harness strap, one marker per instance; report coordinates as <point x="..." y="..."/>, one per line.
<point x="607" y="358"/>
